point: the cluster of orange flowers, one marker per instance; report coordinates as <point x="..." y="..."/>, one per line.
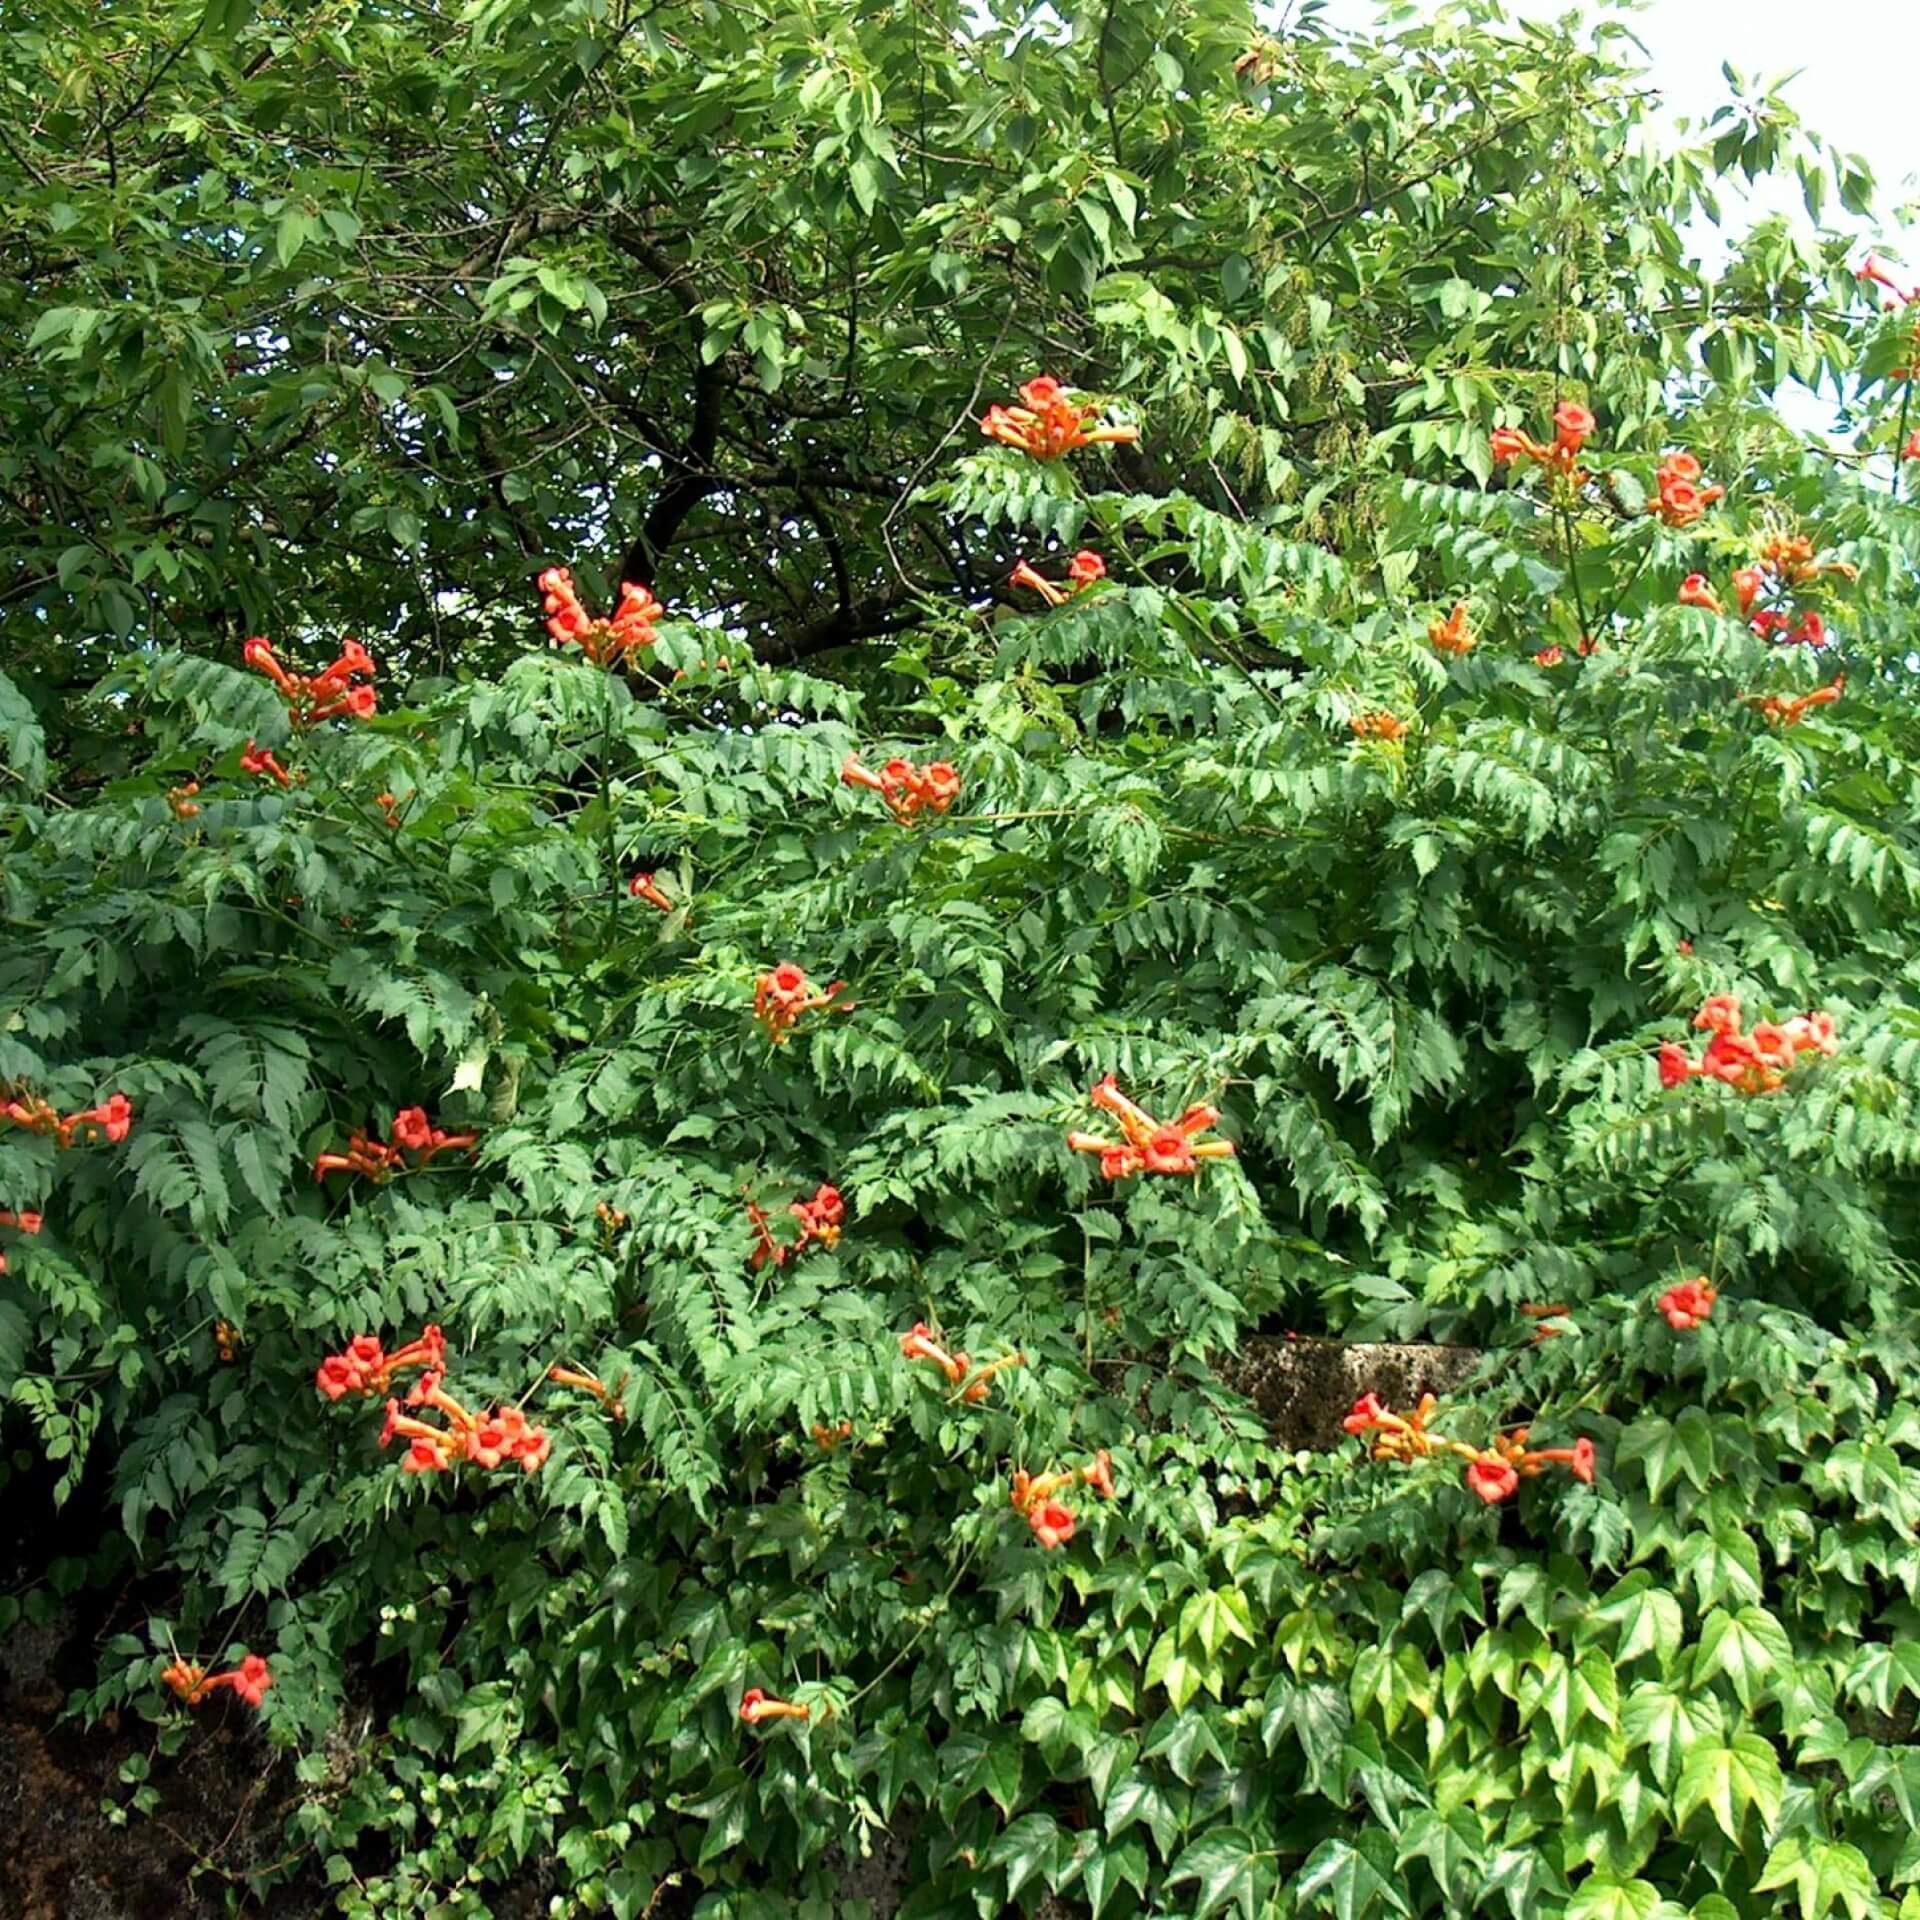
<point x="1689" y="1306"/>
<point x="1779" y="711"/>
<point x="1550" y="1320"/>
<point x="643" y="887"/>
<point x="1053" y="1523"/>
<point x="327" y="695"/>
<point x="363" y="1367"/>
<point x="181" y="802"/>
<point x="413" y="1133"/>
<point x="1150" y="1145"/>
<point x="918" y="1343"/>
<point x="1756" y="1062"/>
<point x="1378" y="725"/>
<point x="786" y="993"/>
<point x="1787" y="564"/>
<point x="1451" y="635"/>
<point x="1493" y="1473"/>
<point x="1572" y="428"/>
<point x="260" y="762"/>
<point x="604" y="642"/>
<point x="1083" y="570"/>
<point x="1681" y="501"/>
<point x="249" y="1681"/>
<point x="1046" y="424"/>
<point x="111" y="1120"/>
<point x="908" y="790"/>
<point x="820" y="1218"/>
<point x="484" y="1440"/>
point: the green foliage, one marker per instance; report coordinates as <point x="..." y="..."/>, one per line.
<point x="1423" y="979"/>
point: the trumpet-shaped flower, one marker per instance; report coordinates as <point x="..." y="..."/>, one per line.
<point x="1149" y="1145"/>
<point x="1047" y="424"/>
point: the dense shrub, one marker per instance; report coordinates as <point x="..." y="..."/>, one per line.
<point x="1249" y="822"/>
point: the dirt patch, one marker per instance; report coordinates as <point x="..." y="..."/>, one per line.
<point x="64" y="1856"/>
<point x="216" y="1842"/>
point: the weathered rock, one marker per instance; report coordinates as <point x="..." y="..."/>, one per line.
<point x="1305" y="1388"/>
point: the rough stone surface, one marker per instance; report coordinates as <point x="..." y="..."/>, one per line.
<point x="1305" y="1388"/>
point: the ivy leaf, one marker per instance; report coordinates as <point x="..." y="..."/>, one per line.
<point x="1602" y="1897"/>
<point x="1182" y="1678"/>
<point x="1882" y="1671"/>
<point x="1521" y="1876"/>
<point x="1107" y="1868"/>
<point x="1215" y="1618"/>
<point x="1721" y="1565"/>
<point x="1669" y="1448"/>
<point x="972" y="1763"/>
<point x="1139" y="1800"/>
<point x="1353" y="1878"/>
<point x="1749" y="1647"/>
<point x="1727" y="1780"/>
<point x="1453" y="1846"/>
<point x="1318" y="1717"/>
<point x="1228" y="1868"/>
<point x="1182" y="1739"/>
<point x="1669" y="1725"/>
<point x="1649" y="1621"/>
<point x="1822" y="1872"/>
<point x="1031" y="1848"/>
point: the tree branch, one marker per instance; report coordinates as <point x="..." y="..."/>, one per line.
<point x="892" y="610"/>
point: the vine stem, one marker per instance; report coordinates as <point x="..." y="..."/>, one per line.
<point x="1900" y="427"/>
<point x="606" y="803"/>
<point x="1573" y="572"/>
<point x="1640" y="567"/>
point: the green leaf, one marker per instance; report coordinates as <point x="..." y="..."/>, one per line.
<point x="1227" y="1869"/>
<point x="1215" y="1618"/>
<point x="1649" y="1620"/>
<point x="1108" y="1868"/>
<point x="296" y="228"/>
<point x="1749" y="1647"/>
<point x="1169" y="1667"/>
<point x="1602" y="1897"/>
<point x="1522" y="1876"/>
<point x="1454" y="1848"/>
<point x="1138" y="1800"/>
<point x="1318" y="1717"/>
<point x="1727" y="1780"/>
<point x="1822" y="1872"/>
<point x="1352" y="1878"/>
<point x="1669" y="1725"/>
<point x="1669" y="1449"/>
<point x="1032" y="1848"/>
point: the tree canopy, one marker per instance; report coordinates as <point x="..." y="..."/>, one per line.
<point x="363" y="315"/>
<point x="1232" y="714"/>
